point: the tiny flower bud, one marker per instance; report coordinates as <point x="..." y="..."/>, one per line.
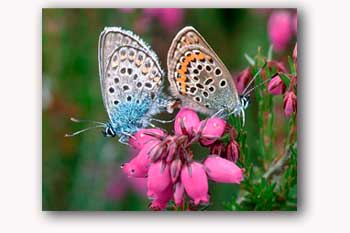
<point x="195" y="182"/>
<point x="222" y="170"/>
<point x="243" y="79"/>
<point x="186" y="121"/>
<point x="217" y="148"/>
<point x="276" y="86"/>
<point x="289" y="103"/>
<point x="232" y="151"/>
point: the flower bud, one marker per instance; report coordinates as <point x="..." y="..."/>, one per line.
<point x="195" y="182"/>
<point x="186" y="121"/>
<point x="243" y="79"/>
<point x="161" y="199"/>
<point x="211" y="130"/>
<point x="222" y="170"/>
<point x="276" y="86"/>
<point x="289" y="103"/>
<point x="232" y="151"/>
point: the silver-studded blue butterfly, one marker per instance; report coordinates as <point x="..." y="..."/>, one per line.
<point x="131" y="83"/>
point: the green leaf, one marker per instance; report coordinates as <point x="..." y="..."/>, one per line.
<point x="292" y="66"/>
<point x="285" y="79"/>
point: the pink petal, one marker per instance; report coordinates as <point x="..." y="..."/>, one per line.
<point x="195" y="182"/>
<point x="179" y="194"/>
<point x="138" y="166"/>
<point x="223" y="170"/>
<point x="213" y="129"/>
<point x="190" y="120"/>
<point x="290" y="103"/>
<point x="276" y="86"/>
<point x="232" y="151"/>
<point x="140" y="137"/>
<point x="158" y="178"/>
<point x="161" y="199"/>
<point x="242" y="80"/>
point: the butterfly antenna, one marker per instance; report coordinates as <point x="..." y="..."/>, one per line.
<point x="162" y="121"/>
<point x="87" y="121"/>
<point x="252" y="80"/>
<point x="83" y="130"/>
<point x="259" y="85"/>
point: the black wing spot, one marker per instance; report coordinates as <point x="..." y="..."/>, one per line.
<point x="195" y="71"/>
<point x="211" y="89"/>
<point x="148" y="85"/>
<point x="126" y="87"/>
<point x="223" y="83"/>
<point x="115" y="102"/>
<point x="197" y="98"/>
<point x="217" y="71"/>
<point x="129" y="71"/>
<point x="200" y="86"/>
<point x="128" y="98"/>
<point x="205" y="94"/>
<point x="123" y="70"/>
<point x="135" y="76"/>
<point x="116" y="80"/>
<point x="153" y="95"/>
<point x="139" y="84"/>
<point x="208" y="68"/>
<point x="111" y="90"/>
<point x="199" y="67"/>
<point x="193" y="90"/>
<point x="208" y="81"/>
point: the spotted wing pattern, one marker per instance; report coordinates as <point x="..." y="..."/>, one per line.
<point x="197" y="76"/>
<point x="130" y="76"/>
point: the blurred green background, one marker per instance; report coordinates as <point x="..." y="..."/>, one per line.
<point x="83" y="172"/>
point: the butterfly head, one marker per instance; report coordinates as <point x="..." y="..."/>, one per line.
<point x="109" y="131"/>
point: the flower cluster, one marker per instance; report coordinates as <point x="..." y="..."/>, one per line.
<point x="170" y="166"/>
<point x="277" y="86"/>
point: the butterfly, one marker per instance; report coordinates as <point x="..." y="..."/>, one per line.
<point x="131" y="82"/>
<point x="199" y="79"/>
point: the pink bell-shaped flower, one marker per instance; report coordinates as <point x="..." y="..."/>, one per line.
<point x="211" y="129"/>
<point x="186" y="121"/>
<point x="195" y="182"/>
<point x="222" y="170"/>
<point x="179" y="193"/>
<point x="158" y="178"/>
<point x="276" y="86"/>
<point x="289" y="103"/>
<point x="143" y="136"/>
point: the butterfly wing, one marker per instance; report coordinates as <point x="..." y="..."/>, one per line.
<point x="197" y="76"/>
<point x="131" y="79"/>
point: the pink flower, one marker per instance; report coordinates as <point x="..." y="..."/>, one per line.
<point x="289" y="103"/>
<point x="186" y="122"/>
<point x="211" y="129"/>
<point x="161" y="199"/>
<point x="195" y="182"/>
<point x="280" y="29"/>
<point x="158" y="178"/>
<point x="144" y="136"/>
<point x="242" y="80"/>
<point x="223" y="170"/>
<point x="169" y="164"/>
<point x="138" y="166"/>
<point x="169" y="18"/>
<point x="276" y="86"/>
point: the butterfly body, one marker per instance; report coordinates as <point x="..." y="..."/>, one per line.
<point x="199" y="78"/>
<point x="131" y="82"/>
